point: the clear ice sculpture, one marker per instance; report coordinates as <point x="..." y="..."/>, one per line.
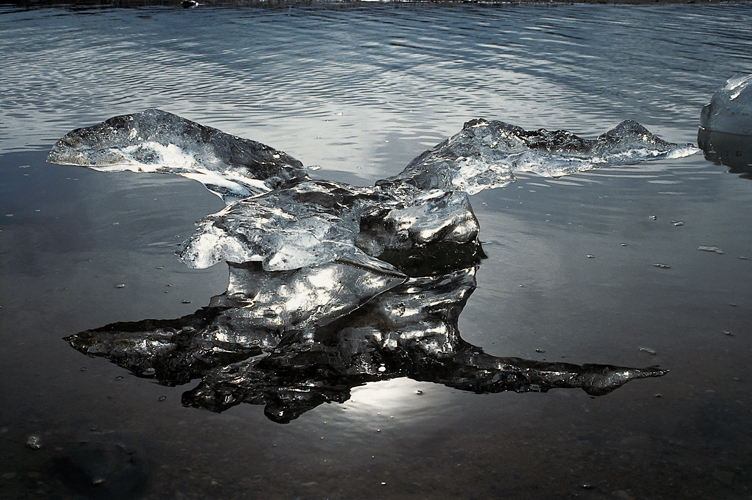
<point x="331" y="285"/>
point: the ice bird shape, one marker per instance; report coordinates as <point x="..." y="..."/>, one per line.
<point x="333" y="285"/>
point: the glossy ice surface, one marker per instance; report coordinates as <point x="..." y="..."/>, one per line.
<point x="322" y="313"/>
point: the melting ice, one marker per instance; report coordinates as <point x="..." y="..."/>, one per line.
<point x="333" y="285"/>
<point x="286" y="221"/>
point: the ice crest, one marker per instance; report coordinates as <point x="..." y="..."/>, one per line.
<point x="157" y="141"/>
<point x="486" y="154"/>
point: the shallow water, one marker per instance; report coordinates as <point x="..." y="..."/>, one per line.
<point x="360" y="91"/>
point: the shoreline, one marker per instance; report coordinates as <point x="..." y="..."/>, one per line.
<point x="336" y="3"/>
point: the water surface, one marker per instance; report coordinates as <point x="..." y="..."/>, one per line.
<point x="361" y="91"/>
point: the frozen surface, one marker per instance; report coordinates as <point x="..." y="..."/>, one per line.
<point x="333" y="285"/>
<point x="730" y="109"/>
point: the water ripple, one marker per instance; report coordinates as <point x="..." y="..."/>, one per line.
<point x="383" y="72"/>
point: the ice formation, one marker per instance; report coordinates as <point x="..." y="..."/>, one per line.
<point x="486" y="154"/>
<point x="333" y="285"/>
<point x="730" y="109"/>
<point x="156" y="141"/>
<point x="277" y="216"/>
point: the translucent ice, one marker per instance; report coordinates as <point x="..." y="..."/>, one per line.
<point x="730" y="109"/>
<point x="317" y="222"/>
<point x="425" y="205"/>
<point x="285" y="221"/>
<point x="486" y="154"/>
<point x="309" y="224"/>
<point x="157" y="141"/>
<point x="333" y="285"/>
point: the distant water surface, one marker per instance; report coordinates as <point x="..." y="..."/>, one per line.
<point x="410" y="74"/>
<point x="359" y="91"/>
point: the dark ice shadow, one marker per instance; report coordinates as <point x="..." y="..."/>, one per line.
<point x="242" y="354"/>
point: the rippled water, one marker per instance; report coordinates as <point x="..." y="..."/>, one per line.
<point x="365" y="75"/>
<point x="360" y="91"/>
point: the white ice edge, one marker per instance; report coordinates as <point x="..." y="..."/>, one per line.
<point x="171" y="158"/>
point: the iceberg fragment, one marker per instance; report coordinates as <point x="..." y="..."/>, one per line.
<point x="730" y="108"/>
<point x="331" y="285"/>
<point x="725" y="134"/>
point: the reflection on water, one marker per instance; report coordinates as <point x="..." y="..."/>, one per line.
<point x="732" y="150"/>
<point x="408" y="331"/>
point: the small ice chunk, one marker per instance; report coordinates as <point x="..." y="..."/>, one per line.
<point x="709" y="248"/>
<point x="34" y="442"/>
<point x="730" y="108"/>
